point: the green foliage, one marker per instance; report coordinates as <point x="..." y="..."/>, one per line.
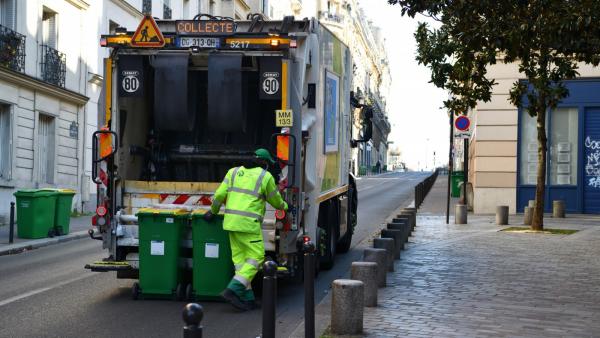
<point x="545" y="38"/>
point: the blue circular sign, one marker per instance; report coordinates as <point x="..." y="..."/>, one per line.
<point x="462" y="123"/>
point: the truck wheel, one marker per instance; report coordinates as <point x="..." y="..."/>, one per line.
<point x="329" y="239"/>
<point x="135" y="291"/>
<point x="346" y="241"/>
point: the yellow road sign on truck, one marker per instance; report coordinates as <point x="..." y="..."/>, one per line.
<point x="147" y="34"/>
<point x="284" y="118"/>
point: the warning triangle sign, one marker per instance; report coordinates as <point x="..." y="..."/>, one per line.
<point x="147" y="34"/>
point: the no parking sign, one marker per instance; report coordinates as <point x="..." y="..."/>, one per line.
<point x="462" y="125"/>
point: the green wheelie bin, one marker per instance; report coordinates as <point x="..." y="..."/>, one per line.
<point x="160" y="234"/>
<point x="212" y="267"/>
<point x="35" y="213"/>
<point x="62" y="215"/>
<point x="456" y="179"/>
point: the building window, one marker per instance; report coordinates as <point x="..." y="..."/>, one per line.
<point x="167" y="12"/>
<point x="8" y="9"/>
<point x="45" y="149"/>
<point x="562" y="124"/>
<point x="5" y="142"/>
<point x="147" y="7"/>
<point x="211" y="7"/>
<point x="563" y="146"/>
<point x="529" y="149"/>
<point x="49" y="28"/>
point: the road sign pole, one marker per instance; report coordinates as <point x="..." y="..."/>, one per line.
<point x="450" y="167"/>
<point x="466" y="170"/>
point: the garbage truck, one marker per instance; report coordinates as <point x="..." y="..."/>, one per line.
<point x="186" y="100"/>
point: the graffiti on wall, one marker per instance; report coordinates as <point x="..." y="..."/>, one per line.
<point x="592" y="166"/>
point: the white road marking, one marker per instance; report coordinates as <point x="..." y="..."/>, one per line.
<point x="41" y="290"/>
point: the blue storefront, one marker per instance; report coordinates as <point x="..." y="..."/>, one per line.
<point x="573" y="160"/>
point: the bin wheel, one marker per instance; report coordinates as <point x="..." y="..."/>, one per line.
<point x="179" y="292"/>
<point x="188" y="292"/>
<point x="135" y="291"/>
<point x="51" y="233"/>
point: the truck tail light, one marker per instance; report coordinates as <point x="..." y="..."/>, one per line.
<point x="293" y="44"/>
<point x="279" y="215"/>
<point x="101" y="211"/>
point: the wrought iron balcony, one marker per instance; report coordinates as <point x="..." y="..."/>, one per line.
<point x="328" y="16"/>
<point x="54" y="67"/>
<point x="12" y="49"/>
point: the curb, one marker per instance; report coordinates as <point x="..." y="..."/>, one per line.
<point x="17" y="248"/>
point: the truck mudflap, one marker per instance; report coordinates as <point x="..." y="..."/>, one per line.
<point x="104" y="266"/>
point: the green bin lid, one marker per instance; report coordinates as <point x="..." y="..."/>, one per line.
<point x="35" y="193"/>
<point x="200" y="213"/>
<point x="61" y="191"/>
<point x="163" y="212"/>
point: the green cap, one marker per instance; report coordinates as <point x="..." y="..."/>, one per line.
<point x="264" y="154"/>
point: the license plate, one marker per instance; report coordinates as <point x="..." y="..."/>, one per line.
<point x="185" y="42"/>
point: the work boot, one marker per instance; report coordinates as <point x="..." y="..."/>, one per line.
<point x="233" y="299"/>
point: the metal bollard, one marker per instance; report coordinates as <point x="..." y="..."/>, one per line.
<point x="527" y="215"/>
<point x="11" y="233"/>
<point x="269" y="299"/>
<point x="502" y="215"/>
<point x="309" y="290"/>
<point x="558" y="209"/>
<point x="460" y="214"/>
<point x="192" y="316"/>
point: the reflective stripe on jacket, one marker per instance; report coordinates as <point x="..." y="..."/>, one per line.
<point x="244" y="192"/>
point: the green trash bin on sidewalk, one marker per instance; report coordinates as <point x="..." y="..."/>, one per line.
<point x="213" y="267"/>
<point x="457" y="178"/>
<point x="62" y="215"/>
<point x="35" y="213"/>
<point x="160" y="234"/>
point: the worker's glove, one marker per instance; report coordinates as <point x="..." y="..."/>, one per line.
<point x="208" y="216"/>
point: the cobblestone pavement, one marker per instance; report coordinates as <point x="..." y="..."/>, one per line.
<point x="471" y="280"/>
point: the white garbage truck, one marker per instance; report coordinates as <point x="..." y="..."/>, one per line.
<point x="186" y="100"/>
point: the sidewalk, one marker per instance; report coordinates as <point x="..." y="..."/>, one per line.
<point x="78" y="229"/>
<point x="471" y="280"/>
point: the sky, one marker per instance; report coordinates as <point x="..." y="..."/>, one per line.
<point x="419" y="123"/>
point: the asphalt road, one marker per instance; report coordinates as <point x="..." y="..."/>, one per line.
<point x="47" y="293"/>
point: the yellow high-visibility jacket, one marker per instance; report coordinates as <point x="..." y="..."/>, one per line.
<point x="244" y="192"/>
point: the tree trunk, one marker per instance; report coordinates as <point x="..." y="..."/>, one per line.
<point x="537" y="222"/>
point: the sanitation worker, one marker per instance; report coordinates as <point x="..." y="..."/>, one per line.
<point x="244" y="192"/>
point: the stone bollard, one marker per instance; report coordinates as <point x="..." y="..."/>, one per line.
<point x="347" y="301"/>
<point x="502" y="215"/>
<point x="378" y="256"/>
<point x="413" y="218"/>
<point x="405" y="228"/>
<point x="407" y="219"/>
<point x="388" y="245"/>
<point x="558" y="209"/>
<point x="460" y="214"/>
<point x="366" y="272"/>
<point x="398" y="240"/>
<point x="527" y="215"/>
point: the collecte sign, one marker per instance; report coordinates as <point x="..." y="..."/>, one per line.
<point x="205" y="27"/>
